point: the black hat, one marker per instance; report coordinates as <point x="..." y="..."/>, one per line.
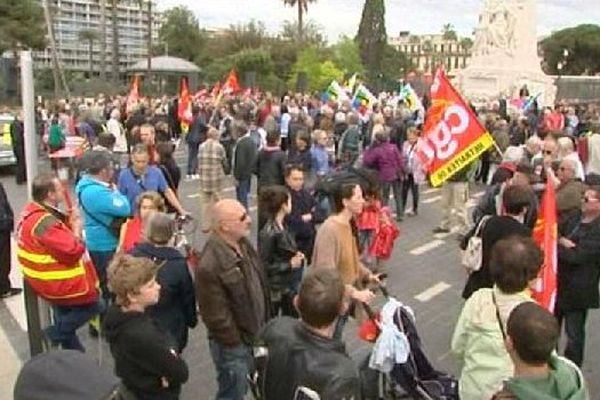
<point x="64" y="375"/>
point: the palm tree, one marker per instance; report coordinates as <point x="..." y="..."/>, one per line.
<point x="302" y="8"/>
<point x="90" y="36"/>
<point x="57" y="72"/>
<point x="103" y="40"/>
<point x="448" y="32"/>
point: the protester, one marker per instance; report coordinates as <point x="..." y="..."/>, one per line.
<point x="304" y="216"/>
<point x="233" y="296"/>
<point x="319" y="155"/>
<point x="141" y="177"/>
<point x="50" y="245"/>
<point x="336" y="245"/>
<point x="17" y="139"/>
<point x="243" y="160"/>
<point x="146" y="360"/>
<point x="415" y="171"/>
<point x="175" y="311"/>
<point x="194" y="138"/>
<point x="478" y="336"/>
<point x="349" y="143"/>
<point x="103" y="207"/>
<point x="305" y="352"/>
<point x="385" y="157"/>
<point x="569" y="193"/>
<point x="7" y="221"/>
<point x="301" y="153"/>
<point x="455" y="194"/>
<point x="279" y="255"/>
<point x="531" y="339"/>
<point x="212" y="161"/>
<point x="579" y="274"/>
<point x="131" y="230"/>
<point x="169" y="168"/>
<point x="515" y="200"/>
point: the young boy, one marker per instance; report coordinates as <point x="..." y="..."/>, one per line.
<point x="145" y="358"/>
<point x="531" y="337"/>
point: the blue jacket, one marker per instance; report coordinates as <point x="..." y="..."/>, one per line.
<point x="105" y="204"/>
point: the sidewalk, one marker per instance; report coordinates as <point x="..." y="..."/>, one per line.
<point x="12" y="321"/>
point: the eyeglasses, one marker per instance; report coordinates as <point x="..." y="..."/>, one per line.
<point x="589" y="200"/>
<point x="548" y="152"/>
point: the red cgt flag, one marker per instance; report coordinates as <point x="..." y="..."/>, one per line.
<point x="231" y="84"/>
<point x="133" y="97"/>
<point x="453" y="137"/>
<point x="545" y="234"/>
<point x="184" y="108"/>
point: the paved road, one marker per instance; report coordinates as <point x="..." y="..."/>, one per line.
<point x="424" y="273"/>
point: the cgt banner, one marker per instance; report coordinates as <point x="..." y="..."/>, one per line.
<point x="453" y="137"/>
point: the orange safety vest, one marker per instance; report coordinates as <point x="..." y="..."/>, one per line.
<point x="52" y="280"/>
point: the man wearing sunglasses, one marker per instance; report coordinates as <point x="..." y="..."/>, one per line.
<point x="578" y="274"/>
<point x="232" y="294"/>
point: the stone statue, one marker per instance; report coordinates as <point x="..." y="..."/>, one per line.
<point x="497" y="26"/>
<point x="504" y="54"/>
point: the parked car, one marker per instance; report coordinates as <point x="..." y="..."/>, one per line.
<point x="7" y="157"/>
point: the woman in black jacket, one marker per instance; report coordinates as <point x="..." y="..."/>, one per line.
<point x="176" y="309"/>
<point x="516" y="200"/>
<point x="278" y="251"/>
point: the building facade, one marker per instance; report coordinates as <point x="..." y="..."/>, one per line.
<point x="72" y="16"/>
<point x="428" y="51"/>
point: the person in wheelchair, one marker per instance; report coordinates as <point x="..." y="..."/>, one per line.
<point x="302" y="353"/>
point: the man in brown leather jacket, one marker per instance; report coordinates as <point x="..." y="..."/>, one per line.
<point x="232" y="296"/>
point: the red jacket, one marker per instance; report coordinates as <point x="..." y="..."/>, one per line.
<point x="54" y="262"/>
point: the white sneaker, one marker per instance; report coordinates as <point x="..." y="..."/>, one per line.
<point x="189" y="177"/>
<point x="196" y="177"/>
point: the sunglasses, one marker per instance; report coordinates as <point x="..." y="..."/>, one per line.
<point x="589" y="200"/>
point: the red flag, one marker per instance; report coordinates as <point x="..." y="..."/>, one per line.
<point x="453" y="137"/>
<point x="184" y="109"/>
<point x="133" y="97"/>
<point x="216" y="89"/>
<point x="545" y="234"/>
<point x="231" y="84"/>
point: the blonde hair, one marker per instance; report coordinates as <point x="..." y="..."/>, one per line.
<point x="127" y="274"/>
<point x="318" y="134"/>
<point x="154" y="197"/>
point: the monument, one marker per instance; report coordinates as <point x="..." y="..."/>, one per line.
<point x="504" y="54"/>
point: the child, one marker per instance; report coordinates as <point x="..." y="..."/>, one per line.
<point x="145" y="358"/>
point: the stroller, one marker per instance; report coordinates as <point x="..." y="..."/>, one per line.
<point x="416" y="378"/>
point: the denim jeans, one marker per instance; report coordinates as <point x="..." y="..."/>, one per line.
<point x="67" y="319"/>
<point x="101" y="259"/>
<point x="242" y="191"/>
<point x="233" y="364"/>
<point x="575" y="330"/>
<point x="192" y="164"/>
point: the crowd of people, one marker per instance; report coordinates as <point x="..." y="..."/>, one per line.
<point x="318" y="251"/>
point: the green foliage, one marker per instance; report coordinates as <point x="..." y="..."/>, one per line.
<point x="583" y="44"/>
<point x="22" y="25"/>
<point x="347" y="56"/>
<point x="312" y="34"/>
<point x="371" y="36"/>
<point x="319" y="72"/>
<point x="448" y="32"/>
<point x="181" y="32"/>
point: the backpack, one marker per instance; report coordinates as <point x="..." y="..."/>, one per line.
<point x="56" y="138"/>
<point x="473" y="254"/>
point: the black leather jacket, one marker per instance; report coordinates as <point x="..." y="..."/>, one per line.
<point x="276" y="247"/>
<point x="299" y="357"/>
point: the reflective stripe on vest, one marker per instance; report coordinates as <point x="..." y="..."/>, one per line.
<point x="35" y="258"/>
<point x="54" y="275"/>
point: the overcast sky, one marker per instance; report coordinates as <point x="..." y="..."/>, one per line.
<point x="337" y="17"/>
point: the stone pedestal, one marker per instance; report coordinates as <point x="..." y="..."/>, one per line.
<point x="505" y="55"/>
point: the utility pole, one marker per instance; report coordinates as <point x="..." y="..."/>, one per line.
<point x="32" y="304"/>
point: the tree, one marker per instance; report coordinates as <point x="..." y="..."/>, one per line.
<point x="394" y="66"/>
<point x="302" y="8"/>
<point x="22" y="25"/>
<point x="371" y="36"/>
<point x="347" y="56"/>
<point x="180" y="31"/>
<point x="583" y="45"/>
<point x="466" y="43"/>
<point x="311" y="33"/>
<point x="89" y="36"/>
<point x="448" y="32"/>
<point x="58" y="73"/>
<point x="251" y="35"/>
<point x="319" y="73"/>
